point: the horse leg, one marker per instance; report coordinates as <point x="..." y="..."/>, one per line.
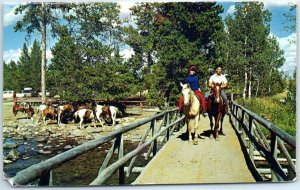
<point x="197" y="118"/>
<point x="217" y="127"/>
<point x="211" y="127"/>
<point x="190" y="131"/>
<point x="80" y="123"/>
<point x="221" y="128"/>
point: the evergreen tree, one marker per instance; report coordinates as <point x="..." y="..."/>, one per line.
<point x="34" y="68"/>
<point x="175" y="36"/>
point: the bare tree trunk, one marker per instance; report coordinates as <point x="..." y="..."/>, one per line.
<point x="250" y="83"/>
<point x="245" y="87"/>
<point x="43" y="66"/>
<point x="257" y="88"/>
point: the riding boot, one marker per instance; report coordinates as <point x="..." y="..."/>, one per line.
<point x="204" y="113"/>
<point x="226" y="109"/>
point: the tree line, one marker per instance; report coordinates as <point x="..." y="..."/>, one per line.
<point x="166" y="38"/>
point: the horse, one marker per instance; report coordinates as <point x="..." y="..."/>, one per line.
<point x="83" y="115"/>
<point x="191" y="111"/>
<point x="18" y="108"/>
<point x="64" y="110"/>
<point x="50" y="112"/>
<point x="216" y="109"/>
<point x="109" y="113"/>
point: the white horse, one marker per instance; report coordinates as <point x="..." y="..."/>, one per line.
<point x="110" y="113"/>
<point x="191" y="112"/>
<point x="84" y="114"/>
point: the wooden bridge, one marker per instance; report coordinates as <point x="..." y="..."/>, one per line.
<point x="252" y="150"/>
<point x="181" y="162"/>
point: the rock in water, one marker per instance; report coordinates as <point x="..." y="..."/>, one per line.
<point x="13" y="155"/>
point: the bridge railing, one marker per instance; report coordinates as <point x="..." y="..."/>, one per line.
<point x="159" y="129"/>
<point x="265" y="143"/>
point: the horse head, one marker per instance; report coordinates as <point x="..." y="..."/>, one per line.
<point x="106" y="112"/>
<point x="186" y="91"/>
<point x="216" y="91"/>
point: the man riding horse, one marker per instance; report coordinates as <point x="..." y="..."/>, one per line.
<point x="193" y="80"/>
<point x="218" y="78"/>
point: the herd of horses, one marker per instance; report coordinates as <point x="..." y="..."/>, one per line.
<point x="85" y="111"/>
<point x="192" y="111"/>
<point x="77" y="111"/>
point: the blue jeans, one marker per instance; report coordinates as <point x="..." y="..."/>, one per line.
<point x="223" y="95"/>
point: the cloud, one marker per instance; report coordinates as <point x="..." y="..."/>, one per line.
<point x="9" y="17"/>
<point x="277" y="3"/>
<point x="290" y="53"/>
<point x="14" y="54"/>
<point x="11" y="55"/>
<point x="127" y="53"/>
<point x="125" y="6"/>
<point x="231" y="10"/>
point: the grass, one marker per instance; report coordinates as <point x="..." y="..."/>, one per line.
<point x="283" y="115"/>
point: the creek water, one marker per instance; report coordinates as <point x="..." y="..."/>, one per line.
<point x="79" y="171"/>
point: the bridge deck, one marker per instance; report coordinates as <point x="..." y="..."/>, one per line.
<point x="181" y="162"/>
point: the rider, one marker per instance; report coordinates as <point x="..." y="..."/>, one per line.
<point x="193" y="80"/>
<point x="217" y="77"/>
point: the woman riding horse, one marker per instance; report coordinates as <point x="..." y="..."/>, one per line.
<point x="193" y="80"/>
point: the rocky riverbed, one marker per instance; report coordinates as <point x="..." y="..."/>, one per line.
<point x="27" y="142"/>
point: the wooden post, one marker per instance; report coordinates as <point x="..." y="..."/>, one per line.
<point x="155" y="141"/>
<point x="168" y="134"/>
<point x="236" y="123"/>
<point x="45" y="178"/>
<point x="168" y="122"/>
<point x="243" y="131"/>
<point x="274" y="153"/>
<point x="251" y="148"/>
<point x="121" y="154"/>
<point x="141" y="105"/>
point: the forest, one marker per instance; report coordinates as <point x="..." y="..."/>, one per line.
<point x="88" y="60"/>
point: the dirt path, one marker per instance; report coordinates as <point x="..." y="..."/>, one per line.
<point x="180" y="162"/>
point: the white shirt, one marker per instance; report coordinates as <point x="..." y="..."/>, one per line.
<point x="218" y="79"/>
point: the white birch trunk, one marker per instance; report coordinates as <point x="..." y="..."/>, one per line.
<point x="250" y="83"/>
<point x="245" y="87"/>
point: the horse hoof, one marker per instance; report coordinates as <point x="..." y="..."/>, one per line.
<point x="195" y="142"/>
<point x="211" y="136"/>
<point x="217" y="138"/>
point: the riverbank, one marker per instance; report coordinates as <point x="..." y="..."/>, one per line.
<point x="27" y="142"/>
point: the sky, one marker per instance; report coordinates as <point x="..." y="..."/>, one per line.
<point x="13" y="41"/>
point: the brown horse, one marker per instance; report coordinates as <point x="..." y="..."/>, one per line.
<point x="18" y="108"/>
<point x="216" y="109"/>
<point x="191" y="112"/>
